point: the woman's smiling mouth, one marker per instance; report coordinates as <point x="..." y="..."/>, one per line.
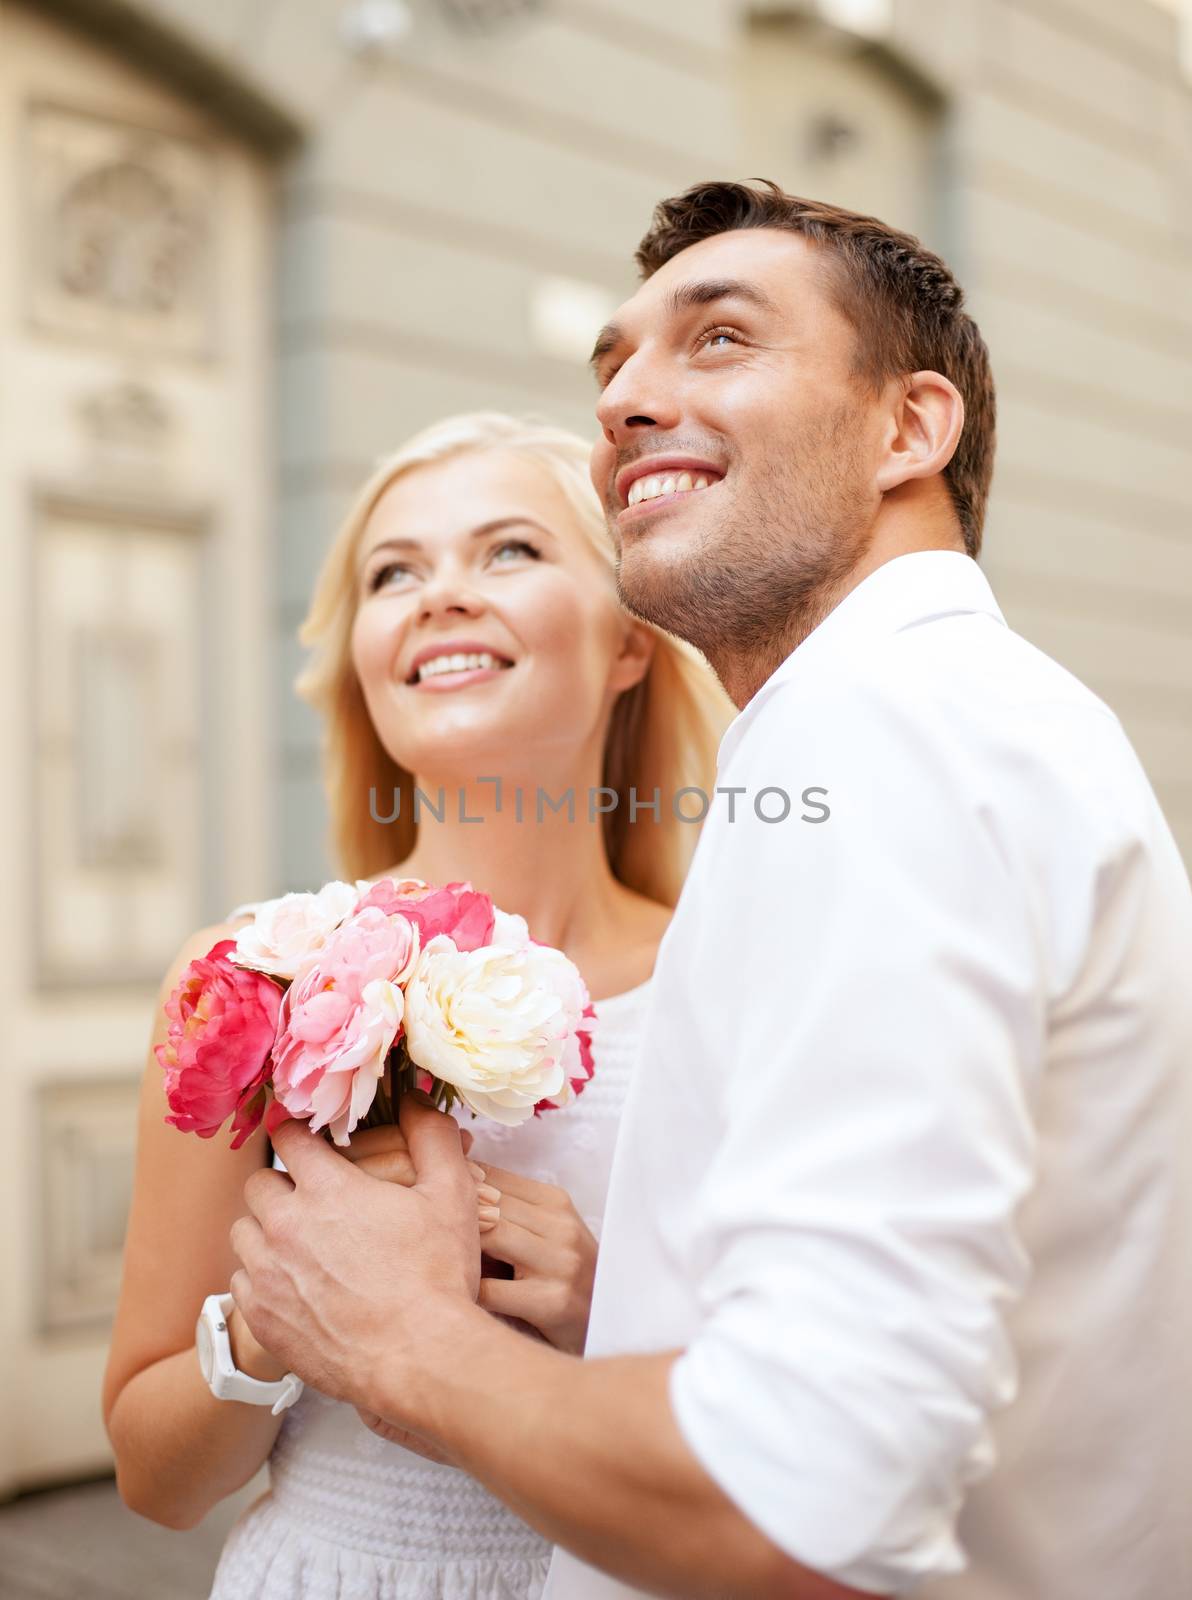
<point x="453" y="669"/>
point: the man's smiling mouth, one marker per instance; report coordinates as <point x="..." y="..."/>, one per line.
<point x="665" y="476"/>
<point x="658" y="484"/>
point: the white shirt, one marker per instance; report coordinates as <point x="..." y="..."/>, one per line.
<point x="905" y="1166"/>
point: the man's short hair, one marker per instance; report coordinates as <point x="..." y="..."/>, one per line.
<point x="902" y="300"/>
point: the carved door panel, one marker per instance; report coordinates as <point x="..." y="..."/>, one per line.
<point x="134" y="652"/>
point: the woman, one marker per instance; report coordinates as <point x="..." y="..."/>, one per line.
<point x="467" y="640"/>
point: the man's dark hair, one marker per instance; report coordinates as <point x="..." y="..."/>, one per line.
<point x="902" y="300"/>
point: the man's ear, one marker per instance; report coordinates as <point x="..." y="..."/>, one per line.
<point x="638" y="644"/>
<point x="924" y="430"/>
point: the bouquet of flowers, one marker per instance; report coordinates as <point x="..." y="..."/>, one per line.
<point x="334" y="1003"/>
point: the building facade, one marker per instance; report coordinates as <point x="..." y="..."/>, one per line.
<point x="250" y="246"/>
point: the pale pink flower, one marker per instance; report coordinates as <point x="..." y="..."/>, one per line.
<point x="339" y="1020"/>
<point x="286" y="933"/>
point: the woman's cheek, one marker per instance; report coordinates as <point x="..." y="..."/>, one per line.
<point x="584" y="654"/>
<point x="370" y="652"/>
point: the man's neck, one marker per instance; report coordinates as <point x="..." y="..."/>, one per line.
<point x="743" y="673"/>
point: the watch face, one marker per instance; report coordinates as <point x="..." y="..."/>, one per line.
<point x="206" y="1348"/>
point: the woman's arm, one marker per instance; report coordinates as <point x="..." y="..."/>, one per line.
<point x="179" y="1450"/>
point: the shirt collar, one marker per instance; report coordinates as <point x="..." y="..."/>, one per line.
<point x="904" y="591"/>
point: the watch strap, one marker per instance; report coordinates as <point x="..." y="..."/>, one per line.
<point x="227" y="1382"/>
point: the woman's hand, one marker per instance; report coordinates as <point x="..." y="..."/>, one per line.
<point x="249" y="1356"/>
<point x="535" y="1228"/>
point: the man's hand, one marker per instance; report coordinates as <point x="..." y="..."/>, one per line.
<point x="392" y="1434"/>
<point x="383" y="1152"/>
<point x="341" y="1271"/>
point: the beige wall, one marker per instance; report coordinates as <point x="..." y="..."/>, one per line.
<point x="1074" y="193"/>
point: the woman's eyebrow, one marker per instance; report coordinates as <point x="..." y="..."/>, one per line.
<point x="702" y="292"/>
<point x="482" y="532"/>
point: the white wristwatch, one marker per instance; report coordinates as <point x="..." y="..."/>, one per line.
<point x="225" y="1380"/>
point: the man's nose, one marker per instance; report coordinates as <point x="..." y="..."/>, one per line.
<point x="638" y="397"/>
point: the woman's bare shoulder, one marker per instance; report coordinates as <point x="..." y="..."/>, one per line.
<point x="197" y="944"/>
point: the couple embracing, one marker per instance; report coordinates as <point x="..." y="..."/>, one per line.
<point x="894" y="1279"/>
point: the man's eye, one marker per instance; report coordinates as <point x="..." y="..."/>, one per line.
<point x="711" y="337"/>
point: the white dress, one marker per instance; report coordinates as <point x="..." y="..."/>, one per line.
<point x="349" y="1516"/>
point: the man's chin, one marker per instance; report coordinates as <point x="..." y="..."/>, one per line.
<point x="650" y="580"/>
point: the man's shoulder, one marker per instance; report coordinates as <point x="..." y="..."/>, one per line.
<point x="981" y="656"/>
<point x="959" y="703"/>
<point x="966" y="672"/>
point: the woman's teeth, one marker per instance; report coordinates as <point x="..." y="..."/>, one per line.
<point x="660" y="483"/>
<point x="457" y="663"/>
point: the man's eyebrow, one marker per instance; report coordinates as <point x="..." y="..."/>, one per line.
<point x="703" y="292"/>
<point x="609" y="337"/>
<point x="706" y="291"/>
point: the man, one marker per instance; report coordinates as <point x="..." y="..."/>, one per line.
<point x="894" y="1281"/>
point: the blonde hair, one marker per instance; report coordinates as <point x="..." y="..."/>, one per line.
<point x="663" y="732"/>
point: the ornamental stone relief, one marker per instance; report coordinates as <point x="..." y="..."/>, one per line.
<point x="126" y="413"/>
<point x="119" y="710"/>
<point x="121" y="225"/>
<point x="87" y="1133"/>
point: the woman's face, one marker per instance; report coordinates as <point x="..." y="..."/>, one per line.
<point x="488" y="637"/>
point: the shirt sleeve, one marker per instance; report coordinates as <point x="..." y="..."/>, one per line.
<point x="854" y="1238"/>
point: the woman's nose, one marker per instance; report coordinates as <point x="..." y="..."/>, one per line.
<point x="447" y="594"/>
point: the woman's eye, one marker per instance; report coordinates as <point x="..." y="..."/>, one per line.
<point x="520" y="547"/>
<point x="382" y="577"/>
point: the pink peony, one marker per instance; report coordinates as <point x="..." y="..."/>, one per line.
<point x="339" y="1019"/>
<point x="579" y="1064"/>
<point x="459" y="911"/>
<point x="223" y="1022"/>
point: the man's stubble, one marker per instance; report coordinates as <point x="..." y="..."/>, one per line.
<point x="775" y="565"/>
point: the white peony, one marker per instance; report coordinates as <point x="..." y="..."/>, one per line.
<point x="509" y="930"/>
<point x="288" y="931"/>
<point x="497" y="1024"/>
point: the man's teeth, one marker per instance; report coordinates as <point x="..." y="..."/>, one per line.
<point x="457" y="663"/>
<point x="659" y="483"/>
